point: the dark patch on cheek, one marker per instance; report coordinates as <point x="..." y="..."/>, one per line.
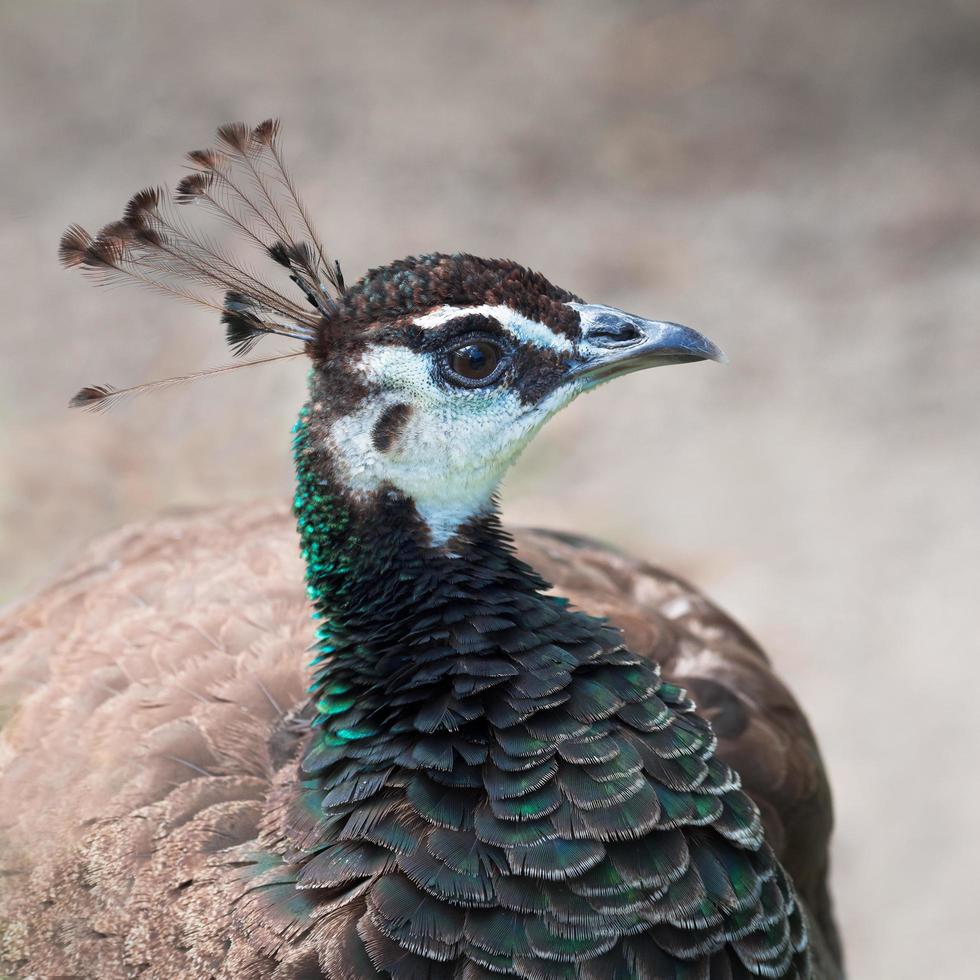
<point x="537" y="373"/>
<point x="389" y="426"/>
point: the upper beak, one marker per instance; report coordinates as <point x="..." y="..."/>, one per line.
<point x="615" y="343"/>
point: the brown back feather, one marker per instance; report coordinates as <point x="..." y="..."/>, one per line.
<point x="156" y="683"/>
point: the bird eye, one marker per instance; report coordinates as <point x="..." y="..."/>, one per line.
<point x="474" y="361"/>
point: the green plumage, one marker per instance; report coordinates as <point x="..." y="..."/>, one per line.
<point x="530" y="800"/>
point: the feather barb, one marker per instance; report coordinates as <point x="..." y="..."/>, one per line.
<point x="99" y="398"/>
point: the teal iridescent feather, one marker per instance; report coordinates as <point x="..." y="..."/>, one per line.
<point x="326" y="546"/>
<point x="514" y="789"/>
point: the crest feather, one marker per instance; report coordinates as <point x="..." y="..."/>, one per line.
<point x="244" y="183"/>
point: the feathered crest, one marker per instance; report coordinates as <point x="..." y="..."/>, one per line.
<point x="244" y="183"/>
<point x="99" y="398"/>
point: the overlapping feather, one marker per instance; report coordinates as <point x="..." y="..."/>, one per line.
<point x="567" y="819"/>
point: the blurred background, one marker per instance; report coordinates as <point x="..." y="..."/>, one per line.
<point x="800" y="181"/>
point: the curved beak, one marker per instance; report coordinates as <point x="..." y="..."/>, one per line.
<point x="616" y="343"/>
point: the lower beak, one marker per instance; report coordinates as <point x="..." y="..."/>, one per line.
<point x="615" y="343"/>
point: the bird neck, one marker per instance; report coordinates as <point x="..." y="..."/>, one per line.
<point x="384" y="597"/>
<point x="508" y="781"/>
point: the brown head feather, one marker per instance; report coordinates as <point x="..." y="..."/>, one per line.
<point x="141" y="204"/>
<point x="117" y="229"/>
<point x="93" y="397"/>
<point x="207" y="159"/>
<point x="106" y="252"/>
<point x="236" y="136"/>
<point x="73" y="247"/>
<point x="266" y="131"/>
<point x="193" y="186"/>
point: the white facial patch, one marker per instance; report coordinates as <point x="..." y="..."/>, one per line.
<point x="524" y="329"/>
<point x="452" y="450"/>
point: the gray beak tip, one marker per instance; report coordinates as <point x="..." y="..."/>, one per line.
<point x="619" y="343"/>
<point x="681" y="340"/>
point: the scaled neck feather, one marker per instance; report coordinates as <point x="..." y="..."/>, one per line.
<point x="493" y="779"/>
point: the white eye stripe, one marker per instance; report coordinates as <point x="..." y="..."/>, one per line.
<point x="526" y="330"/>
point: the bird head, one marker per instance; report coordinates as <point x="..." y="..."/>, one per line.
<point x="430" y="375"/>
<point x="436" y="371"/>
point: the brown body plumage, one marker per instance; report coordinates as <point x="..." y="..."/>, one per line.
<point x="155" y="683"/>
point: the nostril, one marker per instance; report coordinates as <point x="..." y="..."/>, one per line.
<point x="610" y="333"/>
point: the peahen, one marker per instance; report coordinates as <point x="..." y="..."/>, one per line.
<point x="482" y="781"/>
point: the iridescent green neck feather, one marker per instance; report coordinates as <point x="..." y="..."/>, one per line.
<point x="494" y="784"/>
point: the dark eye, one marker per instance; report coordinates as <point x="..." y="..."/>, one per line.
<point x="476" y="360"/>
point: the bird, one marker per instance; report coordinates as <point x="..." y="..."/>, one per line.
<point x="488" y="754"/>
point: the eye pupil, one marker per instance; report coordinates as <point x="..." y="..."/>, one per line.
<point x="475" y="361"/>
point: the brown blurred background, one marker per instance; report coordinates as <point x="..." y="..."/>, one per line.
<point x="799" y="180"/>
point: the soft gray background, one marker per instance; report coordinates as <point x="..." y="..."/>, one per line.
<point x="800" y="180"/>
